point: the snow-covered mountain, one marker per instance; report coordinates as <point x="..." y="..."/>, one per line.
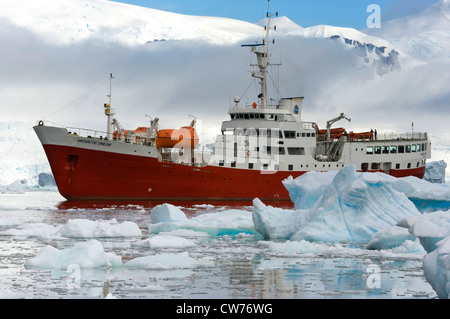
<point x="375" y="51"/>
<point x="69" y="21"/>
<point x="422" y="35"/>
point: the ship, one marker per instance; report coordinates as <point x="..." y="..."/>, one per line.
<point x="260" y="145"/>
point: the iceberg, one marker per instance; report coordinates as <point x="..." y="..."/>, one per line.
<point x="433" y="231"/>
<point x="435" y="172"/>
<point x="307" y="189"/>
<point x="436" y="268"/>
<point x="88" y="254"/>
<point x="352" y="208"/>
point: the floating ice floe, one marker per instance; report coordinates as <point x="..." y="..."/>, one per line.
<point x="168" y="218"/>
<point x="164" y="261"/>
<point x="89" y="254"/>
<point x="165" y="241"/>
<point x="430" y="228"/>
<point x="40" y="230"/>
<point x="85" y="228"/>
<point x="389" y="238"/>
<point x="351" y="208"/>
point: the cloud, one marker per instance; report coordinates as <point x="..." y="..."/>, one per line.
<point x="172" y="80"/>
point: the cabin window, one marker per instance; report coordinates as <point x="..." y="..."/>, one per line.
<point x="364" y="167"/>
<point x="274" y="133"/>
<point x="408" y="148"/>
<point x="385" y="149"/>
<point x="397" y="166"/>
<point x="233" y="164"/>
<point x="418" y="164"/>
<point x="296" y="150"/>
<point x="409" y="165"/>
<point x="369" y="150"/>
<point x="291" y="167"/>
<point x="414" y="147"/>
<point x="377" y="149"/>
<point x="221" y="163"/>
<point x="393" y="149"/>
<point x="275" y="150"/>
<point x="401" y="149"/>
<point x="375" y="165"/>
<point x="250" y="165"/>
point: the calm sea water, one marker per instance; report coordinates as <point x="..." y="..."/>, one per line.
<point x="238" y="267"/>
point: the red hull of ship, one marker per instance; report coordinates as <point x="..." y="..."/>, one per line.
<point x="98" y="175"/>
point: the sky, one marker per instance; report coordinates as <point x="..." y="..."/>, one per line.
<point x="344" y="13"/>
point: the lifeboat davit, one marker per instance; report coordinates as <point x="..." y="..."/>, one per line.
<point x="185" y="136"/>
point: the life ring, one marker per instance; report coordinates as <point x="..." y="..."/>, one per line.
<point x="138" y="139"/>
<point x="314" y="125"/>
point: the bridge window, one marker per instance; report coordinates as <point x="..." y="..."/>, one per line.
<point x="377" y="149"/>
<point x="289" y="134"/>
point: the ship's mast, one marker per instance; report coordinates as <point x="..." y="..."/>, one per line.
<point x="109" y="112"/>
<point x="263" y="60"/>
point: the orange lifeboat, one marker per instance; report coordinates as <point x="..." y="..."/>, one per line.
<point x="116" y="135"/>
<point x="186" y="136"/>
